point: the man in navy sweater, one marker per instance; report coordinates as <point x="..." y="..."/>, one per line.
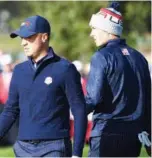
<point x="42" y="90"/>
<point x="118" y="90"/>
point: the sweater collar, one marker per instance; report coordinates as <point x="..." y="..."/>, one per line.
<point x="50" y="55"/>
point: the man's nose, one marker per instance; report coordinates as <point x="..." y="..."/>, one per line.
<point x="91" y="34"/>
<point x="23" y="42"/>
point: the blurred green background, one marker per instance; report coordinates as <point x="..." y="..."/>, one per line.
<point x="69" y="23"/>
<point x="70" y="30"/>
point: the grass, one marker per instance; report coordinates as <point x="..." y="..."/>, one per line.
<point x="8" y="152"/>
<point x="9" y="45"/>
<point x="86" y="149"/>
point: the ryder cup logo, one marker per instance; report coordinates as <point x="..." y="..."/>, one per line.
<point x="26" y="23"/>
<point x="48" y="80"/>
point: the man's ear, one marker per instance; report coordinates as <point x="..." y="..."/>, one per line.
<point x="44" y="37"/>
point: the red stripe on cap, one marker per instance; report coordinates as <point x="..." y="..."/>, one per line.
<point x="111" y="13"/>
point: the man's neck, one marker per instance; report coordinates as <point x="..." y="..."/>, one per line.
<point x="112" y="37"/>
<point x="40" y="56"/>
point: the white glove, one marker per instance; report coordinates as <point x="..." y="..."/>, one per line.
<point x="143" y="138"/>
<point x="75" y="156"/>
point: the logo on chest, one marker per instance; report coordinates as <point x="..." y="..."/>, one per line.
<point x="48" y="80"/>
<point x="125" y="51"/>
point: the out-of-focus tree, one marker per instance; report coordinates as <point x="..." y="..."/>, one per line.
<point x="69" y="22"/>
<point x="137" y="19"/>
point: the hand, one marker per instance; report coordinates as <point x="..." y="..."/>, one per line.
<point x="143" y="138"/>
<point x="75" y="156"/>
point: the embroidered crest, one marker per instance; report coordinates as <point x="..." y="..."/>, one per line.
<point x="125" y="51"/>
<point x="27" y="23"/>
<point x="48" y="80"/>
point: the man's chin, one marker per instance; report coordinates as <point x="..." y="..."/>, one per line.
<point x="29" y="55"/>
<point x="101" y="44"/>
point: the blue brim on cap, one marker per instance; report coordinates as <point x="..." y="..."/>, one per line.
<point x="23" y="34"/>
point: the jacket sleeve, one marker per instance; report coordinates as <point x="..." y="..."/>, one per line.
<point x="75" y="96"/>
<point x="95" y="84"/>
<point x="11" y="109"/>
<point x="147" y="114"/>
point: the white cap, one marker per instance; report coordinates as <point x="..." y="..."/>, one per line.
<point x="78" y="64"/>
<point x="5" y="59"/>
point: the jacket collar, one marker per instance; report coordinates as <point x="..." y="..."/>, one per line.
<point x="50" y="56"/>
<point x="117" y="41"/>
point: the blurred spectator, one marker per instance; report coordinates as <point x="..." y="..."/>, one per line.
<point x="89" y="127"/>
<point x="71" y="126"/>
<point x="79" y="65"/>
<point x="6" y="62"/>
<point x="5" y="78"/>
<point x="1" y="89"/>
<point x="83" y="70"/>
<point x="86" y="69"/>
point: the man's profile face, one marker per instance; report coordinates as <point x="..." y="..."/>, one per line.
<point x="100" y="37"/>
<point x="32" y="45"/>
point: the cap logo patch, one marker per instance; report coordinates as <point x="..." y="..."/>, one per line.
<point x="27" y="23"/>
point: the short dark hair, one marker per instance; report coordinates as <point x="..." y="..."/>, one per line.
<point x="48" y="36"/>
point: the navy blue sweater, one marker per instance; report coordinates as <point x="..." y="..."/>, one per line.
<point x="119" y="90"/>
<point x="41" y="99"/>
